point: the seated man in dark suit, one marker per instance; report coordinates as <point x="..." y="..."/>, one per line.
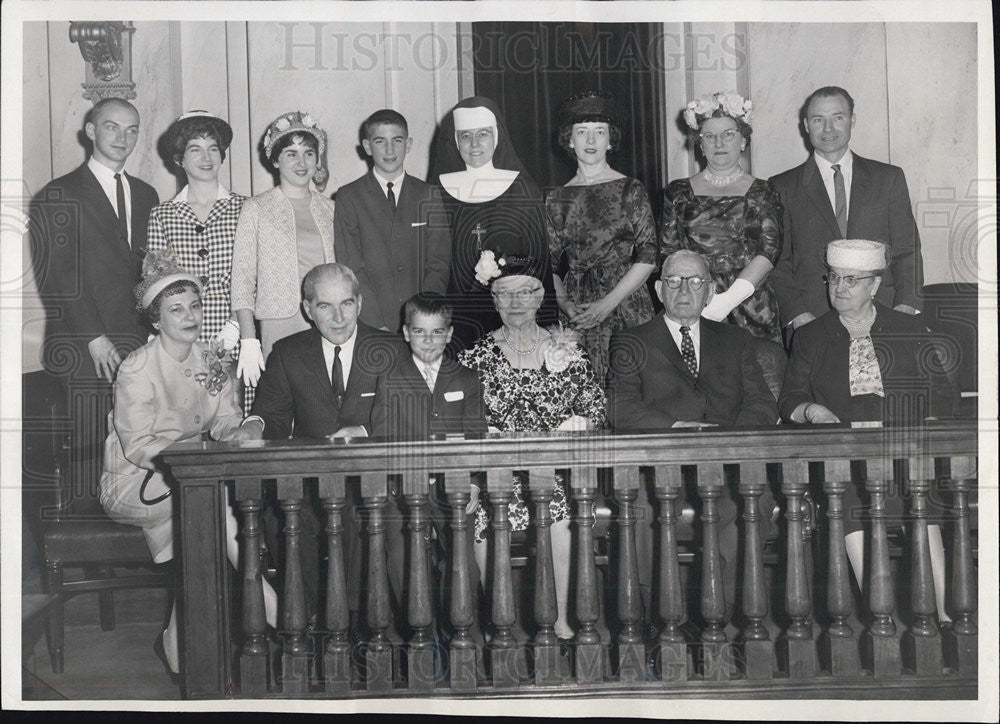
<point x="425" y="393"/>
<point x="684" y="371"/>
<point x="321" y="383"/>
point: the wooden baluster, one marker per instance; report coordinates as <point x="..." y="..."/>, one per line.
<point x="673" y="648"/>
<point x="378" y="650"/>
<point x="337" y="655"/>
<point x="296" y="651"/>
<point x="589" y="662"/>
<point x="717" y="662"/>
<point x="420" y="649"/>
<point x="882" y="643"/>
<point x="921" y="645"/>
<point x="541" y="482"/>
<point x="796" y="647"/>
<point x="503" y="649"/>
<point x="631" y="650"/>
<point x="758" y="649"/>
<point x="962" y="641"/>
<point x="839" y="646"/>
<point x="253" y="658"/>
<point x="462" y="649"/>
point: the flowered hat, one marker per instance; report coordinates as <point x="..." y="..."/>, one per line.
<point x="493" y="265"/>
<point x="302" y="123"/>
<point x="588" y="107"/>
<point x="860" y="254"/>
<point x="160" y="269"/>
<point x="730" y="103"/>
<point x="199" y="117"/>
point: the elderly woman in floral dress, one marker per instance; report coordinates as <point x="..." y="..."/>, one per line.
<point x="533" y="380"/>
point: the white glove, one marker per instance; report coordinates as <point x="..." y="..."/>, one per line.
<point x="725" y="302"/>
<point x="251" y="362"/>
<point x="229" y="335"/>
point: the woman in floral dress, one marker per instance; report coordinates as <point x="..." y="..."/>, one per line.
<point x="727" y="215"/>
<point x="533" y="380"/>
<point x="601" y="221"/>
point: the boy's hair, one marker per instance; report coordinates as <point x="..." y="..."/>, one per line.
<point x="427" y="303"/>
<point x="386" y="116"/>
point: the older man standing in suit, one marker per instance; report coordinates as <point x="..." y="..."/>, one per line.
<point x="837" y="194"/>
<point x="681" y="370"/>
<point x="88" y="234"/>
<point x="390" y="227"/>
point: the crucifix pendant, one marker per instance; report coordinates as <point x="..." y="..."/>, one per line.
<point x="479" y="232"/>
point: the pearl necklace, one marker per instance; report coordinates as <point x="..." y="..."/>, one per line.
<point x="860" y="328"/>
<point x="717" y="180"/>
<point x="521" y="353"/>
<point x="603" y="175"/>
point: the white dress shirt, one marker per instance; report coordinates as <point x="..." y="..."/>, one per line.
<point x="106" y="178"/>
<point x="346" y="356"/>
<point x="397" y="183"/>
<point x="846" y="169"/>
<point x="429" y="371"/>
<point x="695" y="331"/>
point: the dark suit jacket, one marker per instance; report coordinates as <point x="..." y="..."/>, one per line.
<point x="295" y="397"/>
<point x="393" y="255"/>
<point x="912" y="362"/>
<point x="879" y="209"/>
<point x="406" y="409"/>
<point x="86" y="272"/>
<point x="651" y="389"/>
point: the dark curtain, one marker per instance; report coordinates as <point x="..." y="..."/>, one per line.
<point x="529" y="68"/>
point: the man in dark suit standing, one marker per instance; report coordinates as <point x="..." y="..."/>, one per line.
<point x="88" y="234"/>
<point x="321" y="383"/>
<point x="837" y="194"/>
<point x="684" y="371"/>
<point x="390" y="227"/>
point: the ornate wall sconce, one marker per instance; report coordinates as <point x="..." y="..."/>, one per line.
<point x="107" y="48"/>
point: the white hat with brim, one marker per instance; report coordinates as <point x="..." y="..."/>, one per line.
<point x="165" y="281"/>
<point x="860" y="254"/>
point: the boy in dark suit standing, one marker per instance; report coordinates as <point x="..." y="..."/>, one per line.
<point x="390" y="227"/>
<point x="425" y="393"/>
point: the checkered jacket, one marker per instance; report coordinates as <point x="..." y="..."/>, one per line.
<point x="265" y="255"/>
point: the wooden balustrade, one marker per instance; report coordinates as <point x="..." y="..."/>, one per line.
<point x="768" y="642"/>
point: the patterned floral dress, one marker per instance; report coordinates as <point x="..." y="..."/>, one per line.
<point x="602" y="230"/>
<point x="729" y="231"/>
<point x="521" y="400"/>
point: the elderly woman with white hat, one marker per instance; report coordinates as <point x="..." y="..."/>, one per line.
<point x="172" y="389"/>
<point x="865" y="364"/>
<point x="282" y="234"/>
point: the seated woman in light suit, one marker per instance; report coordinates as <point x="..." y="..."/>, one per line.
<point x="864" y="363"/>
<point x="172" y="389"/>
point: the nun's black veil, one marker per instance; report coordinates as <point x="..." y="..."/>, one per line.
<point x="446" y="158"/>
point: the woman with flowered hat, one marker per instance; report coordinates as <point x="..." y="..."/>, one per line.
<point x="601" y="221"/>
<point x="727" y="215"/>
<point x="492" y="203"/>
<point x="199" y="223"/>
<point x="282" y="234"/>
<point x="172" y="389"/>
<point x="533" y="380"/>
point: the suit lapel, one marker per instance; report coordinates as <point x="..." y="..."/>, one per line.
<point x="315" y="362"/>
<point x="107" y="213"/>
<point x="813" y="183"/>
<point x="860" y="182"/>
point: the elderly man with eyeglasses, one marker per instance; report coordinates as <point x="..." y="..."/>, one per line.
<point x="682" y="370"/>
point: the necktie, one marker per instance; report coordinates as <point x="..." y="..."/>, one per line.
<point x="120" y="198"/>
<point x="426" y="371"/>
<point x="840" y="197"/>
<point x="687" y="351"/>
<point x="391" y="195"/>
<point x="338" y="375"/>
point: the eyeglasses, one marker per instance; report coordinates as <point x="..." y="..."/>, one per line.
<point x="521" y="295"/>
<point x="834" y="279"/>
<point x="726" y="136"/>
<point x="674" y="282"/>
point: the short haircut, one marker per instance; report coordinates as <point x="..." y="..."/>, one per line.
<point x="196" y="128"/>
<point x="287" y="140"/>
<point x="828" y="91"/>
<point x="427" y="303"/>
<point x="384" y="117"/>
<point x="328" y="272"/>
<point x="152" y="312"/>
<point x="94" y="113"/>
<point x="684" y="252"/>
<point x="566" y="132"/>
